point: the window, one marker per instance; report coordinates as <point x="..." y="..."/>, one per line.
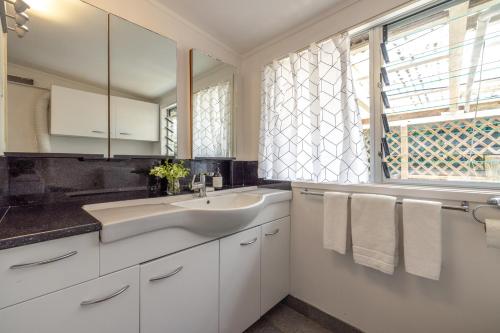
<point x="169" y="130"/>
<point x="436" y="98"/>
<point x="441" y="94"/>
<point x="211" y="121"/>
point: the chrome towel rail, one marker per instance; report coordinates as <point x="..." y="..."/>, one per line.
<point x="492" y="202"/>
<point x="464" y="207"/>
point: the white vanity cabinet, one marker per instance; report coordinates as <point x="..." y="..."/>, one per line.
<point x="180" y="293"/>
<point x="275" y="263"/>
<point x="107" y="304"/>
<point x="37" y="269"/>
<point x="239" y="280"/>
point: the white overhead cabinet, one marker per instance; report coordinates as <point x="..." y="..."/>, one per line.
<point x="78" y="113"/>
<point x="134" y="120"/>
<point x="180" y="293"/>
<point x="106" y="304"/>
<point x="84" y="114"/>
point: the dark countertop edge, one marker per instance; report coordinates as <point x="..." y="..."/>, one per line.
<point x="48" y="235"/>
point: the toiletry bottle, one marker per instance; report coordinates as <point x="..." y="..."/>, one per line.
<point x="217" y="180"/>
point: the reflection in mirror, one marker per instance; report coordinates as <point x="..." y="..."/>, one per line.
<point x="57" y="81"/>
<point x="212" y="83"/>
<point x="143" y="67"/>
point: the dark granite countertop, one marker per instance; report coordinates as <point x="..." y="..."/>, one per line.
<point x="23" y="225"/>
<point x="34" y="219"/>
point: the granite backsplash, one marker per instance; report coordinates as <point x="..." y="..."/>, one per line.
<point x="33" y="180"/>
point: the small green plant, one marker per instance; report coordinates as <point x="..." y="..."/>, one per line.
<point x="172" y="172"/>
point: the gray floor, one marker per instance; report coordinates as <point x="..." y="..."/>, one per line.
<point x="283" y="319"/>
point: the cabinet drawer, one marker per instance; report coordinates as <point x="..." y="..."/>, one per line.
<point x="179" y="293"/>
<point x="239" y="281"/>
<point x="107" y="304"/>
<point x="37" y="269"/>
<point x="275" y="263"/>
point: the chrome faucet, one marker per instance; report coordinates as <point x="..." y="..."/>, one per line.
<point x="199" y="187"/>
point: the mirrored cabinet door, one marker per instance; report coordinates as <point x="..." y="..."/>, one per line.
<point x="57" y="82"/>
<point x="143" y="108"/>
<point x="212" y="106"/>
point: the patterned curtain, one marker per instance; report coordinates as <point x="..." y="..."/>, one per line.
<point x="310" y="123"/>
<point x="211" y="121"/>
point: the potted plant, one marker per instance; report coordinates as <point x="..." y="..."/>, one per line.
<point x="172" y="172"/>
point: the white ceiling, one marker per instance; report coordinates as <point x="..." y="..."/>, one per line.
<point x="246" y="24"/>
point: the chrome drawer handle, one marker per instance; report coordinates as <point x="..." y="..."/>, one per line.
<point x="272" y="233"/>
<point x="249" y="242"/>
<point x="164" y="276"/>
<point x="43" y="262"/>
<point x="98" y="132"/>
<point x="125" y="133"/>
<point x="105" y="298"/>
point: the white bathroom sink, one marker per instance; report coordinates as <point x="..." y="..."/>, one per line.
<point x="215" y="215"/>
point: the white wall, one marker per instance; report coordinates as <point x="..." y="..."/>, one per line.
<point x="150" y="15"/>
<point x="465" y="299"/>
<point x="344" y="16"/>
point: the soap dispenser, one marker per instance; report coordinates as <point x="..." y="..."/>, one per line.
<point x="217" y="180"/>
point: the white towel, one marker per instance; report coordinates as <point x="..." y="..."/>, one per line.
<point x="374" y="231"/>
<point x="493" y="233"/>
<point x="335" y="205"/>
<point x="422" y="237"/>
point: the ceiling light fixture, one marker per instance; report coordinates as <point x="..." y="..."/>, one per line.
<point x="19" y="5"/>
<point x="21" y="18"/>
<point x="20" y="30"/>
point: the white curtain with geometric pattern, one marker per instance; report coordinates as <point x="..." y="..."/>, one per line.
<point x="211" y="121"/>
<point x="310" y="125"/>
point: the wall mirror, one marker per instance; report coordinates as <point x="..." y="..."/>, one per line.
<point x="212" y="106"/>
<point x="143" y="91"/>
<point x="56" y="99"/>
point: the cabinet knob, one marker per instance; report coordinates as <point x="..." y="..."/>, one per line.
<point x="43" y="262"/>
<point x="105" y="298"/>
<point x="164" y="276"/>
<point x="249" y="242"/>
<point x="272" y="233"/>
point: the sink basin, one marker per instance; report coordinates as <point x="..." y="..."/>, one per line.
<point x="219" y="214"/>
<point x="214" y="215"/>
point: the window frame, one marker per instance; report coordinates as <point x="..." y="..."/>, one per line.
<point x="376" y="32"/>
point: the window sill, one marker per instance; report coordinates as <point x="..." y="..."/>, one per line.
<point x="410" y="191"/>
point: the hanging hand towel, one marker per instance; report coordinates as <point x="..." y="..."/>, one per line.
<point x="335" y="205"/>
<point x="493" y="233"/>
<point x="422" y="238"/>
<point x="374" y="231"/>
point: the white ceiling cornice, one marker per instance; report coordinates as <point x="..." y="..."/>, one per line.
<point x="193" y="26"/>
<point x="332" y="11"/>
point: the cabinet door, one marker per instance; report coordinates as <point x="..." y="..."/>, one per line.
<point x="107" y="304"/>
<point x="78" y="113"/>
<point x="239" y="281"/>
<point x="179" y="293"/>
<point x="275" y="263"/>
<point x="135" y="120"/>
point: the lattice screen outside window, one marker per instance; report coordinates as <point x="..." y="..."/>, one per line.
<point x="212" y="121"/>
<point x="442" y="94"/>
<point x="169" y="130"/>
<point x="310" y="121"/>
